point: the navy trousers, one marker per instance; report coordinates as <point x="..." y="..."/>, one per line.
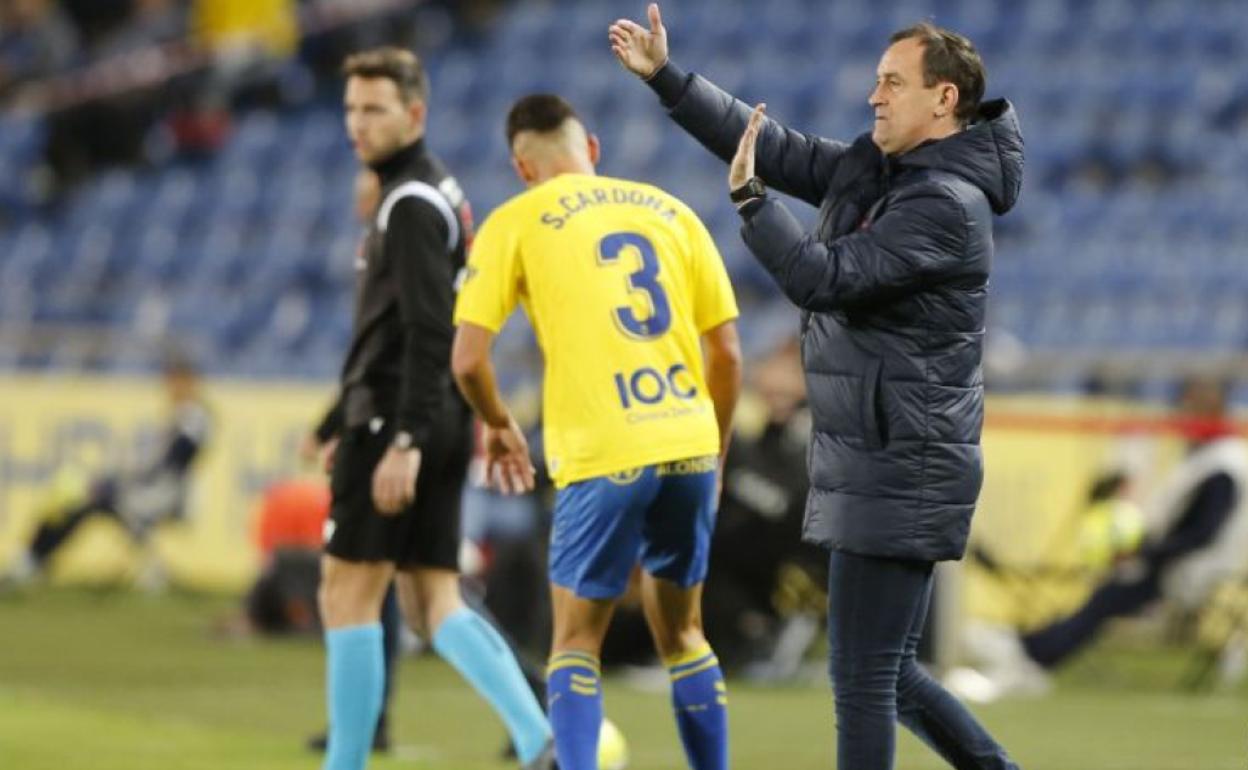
<point x="876" y="610"/>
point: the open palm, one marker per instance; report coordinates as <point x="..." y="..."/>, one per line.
<point x="642" y="51"/>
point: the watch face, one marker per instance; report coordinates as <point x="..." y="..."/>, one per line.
<point x="753" y="188"/>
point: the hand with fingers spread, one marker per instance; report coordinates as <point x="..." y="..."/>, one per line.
<point x="394" y="480"/>
<point x="741" y="170"/>
<point x="642" y="52"/>
<point x="508" y="466"/>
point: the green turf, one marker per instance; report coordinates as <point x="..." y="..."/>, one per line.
<point x="112" y="681"/>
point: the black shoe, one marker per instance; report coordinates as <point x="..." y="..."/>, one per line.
<point x="381" y="740"/>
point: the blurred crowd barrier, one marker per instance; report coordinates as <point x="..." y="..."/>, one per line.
<point x="1042" y="453"/>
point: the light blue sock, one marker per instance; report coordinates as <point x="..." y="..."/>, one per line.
<point x="574" y="692"/>
<point x="481" y="656"/>
<point x="355" y="680"/>
<point x="700" y="699"/>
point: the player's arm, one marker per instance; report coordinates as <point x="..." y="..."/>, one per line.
<point x="474" y="373"/>
<point x="722" y="348"/>
<point x="488" y="296"/>
<point x="714" y="313"/>
<point x="507" y="452"/>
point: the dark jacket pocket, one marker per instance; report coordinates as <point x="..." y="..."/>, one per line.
<point x="874" y="421"/>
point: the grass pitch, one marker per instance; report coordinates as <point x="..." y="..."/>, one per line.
<point x="113" y="681"/>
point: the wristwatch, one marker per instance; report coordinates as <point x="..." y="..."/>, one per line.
<point x="402" y="441"/>
<point x="753" y="188"/>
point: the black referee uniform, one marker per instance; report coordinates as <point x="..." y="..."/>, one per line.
<point x="396" y="381"/>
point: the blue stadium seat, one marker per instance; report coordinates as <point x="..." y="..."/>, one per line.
<point x="1129" y="234"/>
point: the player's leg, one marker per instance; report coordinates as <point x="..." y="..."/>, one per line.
<point x="54" y="530"/>
<point x="391" y="629"/>
<point x="594" y="543"/>
<point x="677" y="538"/>
<point x="574" y="676"/>
<point x="429" y="589"/>
<point x="356" y="570"/>
<point x="934" y="715"/>
<point x="431" y="600"/>
<point x="1052" y="644"/>
<point x="350" y="600"/>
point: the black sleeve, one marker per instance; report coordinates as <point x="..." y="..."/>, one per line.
<point x="920" y="239"/>
<point x="331" y="424"/>
<point x="790" y="161"/>
<point x="1209" y="510"/>
<point x="416" y="246"/>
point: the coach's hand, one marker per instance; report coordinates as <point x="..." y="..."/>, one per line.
<point x="507" y="464"/>
<point x="742" y="167"/>
<point x="394" y="480"/>
<point x="642" y="52"/>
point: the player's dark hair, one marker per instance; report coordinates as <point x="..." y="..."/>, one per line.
<point x="949" y="58"/>
<point x="398" y="64"/>
<point x="538" y="112"/>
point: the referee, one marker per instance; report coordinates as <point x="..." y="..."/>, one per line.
<point x="406" y="439"/>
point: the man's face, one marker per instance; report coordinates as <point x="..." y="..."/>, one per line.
<point x="179" y="386"/>
<point x="379" y="122"/>
<point x="907" y="113"/>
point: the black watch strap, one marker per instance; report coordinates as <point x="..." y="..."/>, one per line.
<point x="753" y="188"/>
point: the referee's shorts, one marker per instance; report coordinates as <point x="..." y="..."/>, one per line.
<point x="425" y="533"/>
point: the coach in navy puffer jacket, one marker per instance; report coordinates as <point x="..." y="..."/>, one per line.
<point x="893" y="285"/>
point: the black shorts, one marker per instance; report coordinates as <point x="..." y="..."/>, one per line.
<point x="425" y="533"/>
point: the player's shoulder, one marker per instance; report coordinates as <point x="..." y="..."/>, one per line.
<point x="511" y="211"/>
<point x="435" y="196"/>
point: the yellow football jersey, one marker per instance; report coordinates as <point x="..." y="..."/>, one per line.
<point x="620" y="280"/>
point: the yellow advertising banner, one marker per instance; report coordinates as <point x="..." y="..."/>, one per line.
<point x="58" y="433"/>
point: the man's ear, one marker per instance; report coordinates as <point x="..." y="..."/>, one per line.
<point x="523" y="170"/>
<point x="595" y="149"/>
<point x="948" y="103"/>
<point x="418" y="112"/>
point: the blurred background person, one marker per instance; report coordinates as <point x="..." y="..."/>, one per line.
<point x="765" y="594"/>
<point x="1198" y="542"/>
<point x="36" y="40"/>
<point x="140" y="498"/>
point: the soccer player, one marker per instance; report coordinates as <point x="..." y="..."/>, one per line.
<point x="621" y="282"/>
<point x="404" y="448"/>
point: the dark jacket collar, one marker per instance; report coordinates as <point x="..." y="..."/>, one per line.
<point x="988" y="154"/>
<point x="400" y="162"/>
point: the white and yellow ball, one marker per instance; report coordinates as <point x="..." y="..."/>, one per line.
<point x="612" y="748"/>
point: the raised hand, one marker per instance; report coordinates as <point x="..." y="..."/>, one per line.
<point x="742" y="167"/>
<point x="641" y="51"/>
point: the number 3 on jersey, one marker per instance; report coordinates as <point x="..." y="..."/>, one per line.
<point x="644" y="280"/>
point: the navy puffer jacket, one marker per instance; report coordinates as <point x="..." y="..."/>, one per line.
<point x="893" y="284"/>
